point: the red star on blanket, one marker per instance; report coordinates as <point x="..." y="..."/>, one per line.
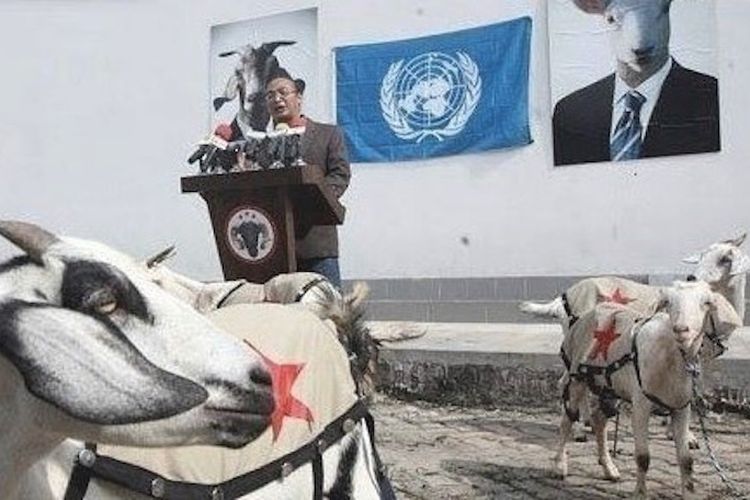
<point x="283" y="377"/>
<point x="604" y="339"/>
<point x="617" y="297"/>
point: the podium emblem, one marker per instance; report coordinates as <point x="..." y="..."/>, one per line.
<point x="250" y="234"/>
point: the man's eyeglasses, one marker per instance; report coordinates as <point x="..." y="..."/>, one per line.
<point x="283" y="93"/>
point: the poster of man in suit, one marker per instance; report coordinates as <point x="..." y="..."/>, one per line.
<point x="633" y="79"/>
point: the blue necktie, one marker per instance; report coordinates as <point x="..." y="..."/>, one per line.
<point x="626" y="141"/>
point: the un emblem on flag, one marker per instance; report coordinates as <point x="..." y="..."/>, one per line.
<point x="430" y="95"/>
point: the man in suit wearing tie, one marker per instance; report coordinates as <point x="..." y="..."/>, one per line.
<point x="651" y="106"/>
<point x="322" y="146"/>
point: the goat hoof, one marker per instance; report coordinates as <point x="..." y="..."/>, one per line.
<point x="693" y="442"/>
<point x="612" y="475"/>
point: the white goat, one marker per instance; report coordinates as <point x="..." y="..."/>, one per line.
<point x="257" y="471"/>
<point x="723" y="265"/>
<point x="90" y="348"/>
<point x="312" y="290"/>
<point x="613" y="351"/>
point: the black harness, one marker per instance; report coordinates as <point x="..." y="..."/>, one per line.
<point x="89" y="465"/>
<point x="297" y="298"/>
<point x="607" y="396"/>
<point x="308" y="286"/>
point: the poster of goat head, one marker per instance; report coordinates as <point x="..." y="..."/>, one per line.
<point x="245" y="54"/>
<point x="633" y="79"/>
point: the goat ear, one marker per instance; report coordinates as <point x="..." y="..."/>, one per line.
<point x="228" y="53"/>
<point x="30" y="238"/>
<point x="160" y="257"/>
<point x="663" y="301"/>
<point x="692" y="259"/>
<point x="87" y="369"/>
<point x="592" y="6"/>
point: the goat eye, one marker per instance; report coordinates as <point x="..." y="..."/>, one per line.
<point x="102" y="301"/>
<point x="725" y="260"/>
<point x="106" y="308"/>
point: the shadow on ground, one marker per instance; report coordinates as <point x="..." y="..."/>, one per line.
<point x="498" y="481"/>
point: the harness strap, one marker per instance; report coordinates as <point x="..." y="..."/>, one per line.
<point x="229" y="294"/>
<point x="714" y="337"/>
<point x="568" y="311"/>
<point x="651" y="397"/>
<point x="148" y="483"/>
<point x="308" y="286"/>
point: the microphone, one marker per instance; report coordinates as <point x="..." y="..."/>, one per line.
<point x="207" y="147"/>
<point x="224" y="131"/>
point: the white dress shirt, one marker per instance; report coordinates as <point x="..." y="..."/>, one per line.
<point x="650" y="89"/>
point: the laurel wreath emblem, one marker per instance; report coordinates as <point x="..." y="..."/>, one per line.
<point x="397" y="121"/>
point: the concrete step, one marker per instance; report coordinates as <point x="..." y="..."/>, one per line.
<point x="507" y="363"/>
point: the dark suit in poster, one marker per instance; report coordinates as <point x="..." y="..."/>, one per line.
<point x="684" y="121"/>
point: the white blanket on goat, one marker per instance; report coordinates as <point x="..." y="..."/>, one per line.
<point x="586" y="294"/>
<point x="283" y="334"/>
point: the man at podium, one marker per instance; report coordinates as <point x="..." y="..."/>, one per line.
<point x="322" y="145"/>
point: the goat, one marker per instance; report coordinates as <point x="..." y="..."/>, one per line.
<point x="312" y="290"/>
<point x="91" y="349"/>
<point x="255" y="67"/>
<point x="723" y="265"/>
<point x="348" y="463"/>
<point x="643" y="361"/>
<point x="283" y="333"/>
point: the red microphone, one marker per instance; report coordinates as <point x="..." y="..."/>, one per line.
<point x="224" y="131"/>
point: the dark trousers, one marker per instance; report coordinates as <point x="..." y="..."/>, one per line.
<point x="327" y="266"/>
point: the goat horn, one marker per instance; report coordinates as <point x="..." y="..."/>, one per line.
<point x="160" y="257"/>
<point x="30" y="238"/>
<point x="271" y="46"/>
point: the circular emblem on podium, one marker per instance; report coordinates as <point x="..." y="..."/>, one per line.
<point x="250" y="234"/>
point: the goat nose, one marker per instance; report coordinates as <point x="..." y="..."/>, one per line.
<point x="260" y="376"/>
<point x="691" y="277"/>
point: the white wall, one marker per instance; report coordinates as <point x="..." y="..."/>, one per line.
<point x="100" y="103"/>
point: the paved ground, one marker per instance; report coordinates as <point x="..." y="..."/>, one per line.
<point x="448" y="453"/>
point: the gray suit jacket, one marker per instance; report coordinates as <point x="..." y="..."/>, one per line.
<point x="323" y="146"/>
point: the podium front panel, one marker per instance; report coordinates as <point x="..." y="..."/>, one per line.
<point x="254" y="234"/>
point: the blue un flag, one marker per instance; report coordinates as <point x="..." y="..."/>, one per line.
<point x="437" y="95"/>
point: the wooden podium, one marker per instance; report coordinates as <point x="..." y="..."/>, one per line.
<point x="256" y="214"/>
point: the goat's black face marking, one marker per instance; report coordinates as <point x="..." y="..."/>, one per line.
<point x="342" y="488"/>
<point x="16" y="262"/>
<point x="89" y="286"/>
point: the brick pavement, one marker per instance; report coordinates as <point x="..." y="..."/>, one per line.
<point x="436" y="452"/>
